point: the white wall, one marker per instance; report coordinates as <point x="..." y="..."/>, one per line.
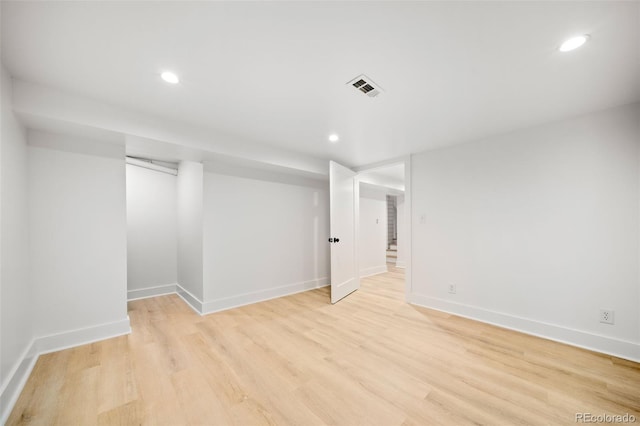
<point x="402" y="229"/>
<point x="538" y="229"/>
<point x="265" y="235"/>
<point x="153" y="134"/>
<point x="152" y="228"/>
<point x="78" y="237"/>
<point x="373" y="231"/>
<point x="16" y="297"/>
<point x="189" y="209"/>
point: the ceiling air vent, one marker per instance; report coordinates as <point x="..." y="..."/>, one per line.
<point x="366" y="86"/>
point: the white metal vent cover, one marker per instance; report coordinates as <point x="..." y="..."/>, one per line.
<point x="365" y="85"/>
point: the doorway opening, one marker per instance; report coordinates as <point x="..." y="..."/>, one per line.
<point x="370" y="225"/>
<point x="383" y="239"/>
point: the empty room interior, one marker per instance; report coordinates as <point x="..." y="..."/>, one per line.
<point x="312" y="213"/>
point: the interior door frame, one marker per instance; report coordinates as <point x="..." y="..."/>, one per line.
<point x="356" y="226"/>
<point x="406" y="160"/>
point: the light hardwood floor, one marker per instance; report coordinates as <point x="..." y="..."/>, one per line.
<point x="369" y="360"/>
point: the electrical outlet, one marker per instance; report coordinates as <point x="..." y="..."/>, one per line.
<point x="606" y="317"/>
<point x="452" y="288"/>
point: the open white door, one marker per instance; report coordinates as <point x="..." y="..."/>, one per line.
<point x="344" y="272"/>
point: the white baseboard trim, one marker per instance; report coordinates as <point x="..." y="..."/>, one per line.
<point x="367" y="272"/>
<point x="191" y="300"/>
<point x="594" y="342"/>
<point x="224" y="303"/>
<point x="55" y="342"/>
<point x="16" y="380"/>
<point x="83" y="336"/>
<point x="401" y="264"/>
<point x="144" y="293"/>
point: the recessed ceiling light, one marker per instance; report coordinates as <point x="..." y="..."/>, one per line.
<point x="170" y="77"/>
<point x="334" y="138"/>
<point x="573" y="43"/>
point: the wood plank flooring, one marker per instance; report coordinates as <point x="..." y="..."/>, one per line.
<point x="371" y="359"/>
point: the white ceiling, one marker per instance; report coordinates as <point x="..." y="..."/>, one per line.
<point x="275" y="72"/>
<point x="386" y="176"/>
